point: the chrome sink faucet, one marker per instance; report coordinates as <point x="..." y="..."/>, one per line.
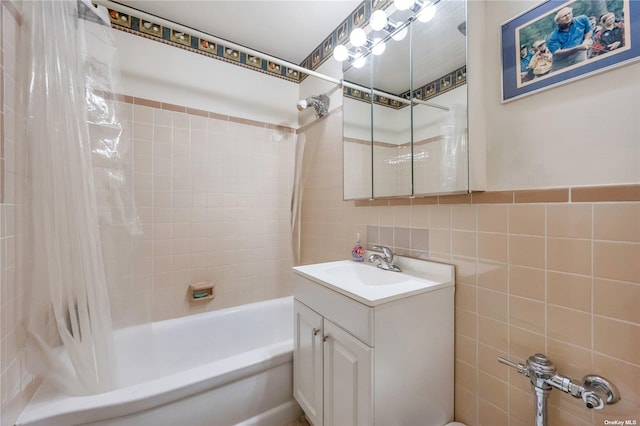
<point x="385" y="260"/>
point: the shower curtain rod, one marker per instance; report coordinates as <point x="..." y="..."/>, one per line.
<point x="174" y="25"/>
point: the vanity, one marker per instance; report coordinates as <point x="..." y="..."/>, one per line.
<point x="374" y="347"/>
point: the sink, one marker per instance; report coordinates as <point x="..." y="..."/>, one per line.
<point x="366" y="275"/>
<point x="373" y="286"/>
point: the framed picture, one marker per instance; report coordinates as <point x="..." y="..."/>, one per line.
<point x="560" y="41"/>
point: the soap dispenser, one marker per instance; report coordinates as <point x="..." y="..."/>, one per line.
<point x="358" y="250"/>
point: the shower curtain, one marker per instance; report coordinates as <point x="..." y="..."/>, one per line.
<point x="78" y="221"/>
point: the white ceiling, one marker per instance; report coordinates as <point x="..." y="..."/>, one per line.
<point x="289" y="30"/>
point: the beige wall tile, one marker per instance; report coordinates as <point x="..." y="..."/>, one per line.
<point x="623" y="410"/>
<point x="401" y="216"/>
<point x="488" y="362"/>
<point x="492" y="275"/>
<point x="617" y="339"/>
<point x="466" y="406"/>
<point x="466" y="375"/>
<point x="569" y="220"/>
<point x="464" y="243"/>
<point x="617" y="299"/>
<point x="490" y="415"/>
<point x="521" y="404"/>
<point x="466" y="323"/>
<point x="618" y="261"/>
<point x="466" y="297"/>
<point x="466" y="269"/>
<point x="492" y="304"/>
<point x="524" y="343"/>
<point x="440" y="217"/>
<point x="569" y="326"/>
<point x="493" y="218"/>
<point x="493" y="391"/>
<point x="464" y="217"/>
<point x="568" y="290"/>
<point x="493" y="333"/>
<point x="527" y="282"/>
<point x="419" y="216"/>
<point x="527" y="251"/>
<point x="571" y="360"/>
<point x="569" y="255"/>
<point x="492" y="246"/>
<point x="527" y="313"/>
<point x="624" y="375"/>
<point x="617" y="222"/>
<point x="466" y="349"/>
<point x="527" y="219"/>
<point x="440" y="241"/>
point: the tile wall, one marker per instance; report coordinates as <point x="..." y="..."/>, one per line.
<point x="213" y="193"/>
<point x="550" y="271"/>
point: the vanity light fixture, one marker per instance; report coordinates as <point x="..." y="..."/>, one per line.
<point x="422" y="10"/>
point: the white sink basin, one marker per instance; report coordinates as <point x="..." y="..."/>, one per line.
<point x="372" y="286"/>
<point x="366" y="275"/>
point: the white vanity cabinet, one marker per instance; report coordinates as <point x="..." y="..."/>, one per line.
<point x="333" y="372"/>
<point x="373" y="362"/>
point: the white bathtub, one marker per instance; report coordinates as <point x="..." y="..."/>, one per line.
<point x="227" y="367"/>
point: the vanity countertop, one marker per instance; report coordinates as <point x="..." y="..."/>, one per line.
<point x="373" y="286"/>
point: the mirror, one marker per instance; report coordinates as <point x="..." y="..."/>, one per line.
<point x="414" y="148"/>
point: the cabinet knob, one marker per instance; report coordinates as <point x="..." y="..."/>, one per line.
<point x="315" y="331"/>
<point x="325" y="337"/>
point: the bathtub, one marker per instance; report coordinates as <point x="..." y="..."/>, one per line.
<point x="227" y="367"/>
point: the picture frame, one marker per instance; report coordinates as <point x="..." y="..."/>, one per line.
<point x="615" y="41"/>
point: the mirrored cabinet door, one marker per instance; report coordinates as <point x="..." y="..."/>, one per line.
<point x="392" y="166"/>
<point x="357" y="146"/>
<point x="440" y="146"/>
<point x="415" y="109"/>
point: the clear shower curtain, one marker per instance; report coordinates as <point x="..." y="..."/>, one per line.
<point x="79" y="220"/>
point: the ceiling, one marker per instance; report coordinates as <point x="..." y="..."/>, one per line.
<point x="289" y="30"/>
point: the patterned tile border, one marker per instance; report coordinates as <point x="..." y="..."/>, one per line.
<point x="358" y="18"/>
<point x="441" y="85"/>
<point x="588" y="194"/>
<point x="157" y="32"/>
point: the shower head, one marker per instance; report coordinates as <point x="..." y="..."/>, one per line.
<point x="320" y="103"/>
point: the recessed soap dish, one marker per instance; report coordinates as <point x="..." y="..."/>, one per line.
<point x="201" y="291"/>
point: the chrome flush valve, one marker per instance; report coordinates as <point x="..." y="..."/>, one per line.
<point x="595" y="391"/>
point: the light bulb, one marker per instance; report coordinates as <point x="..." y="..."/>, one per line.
<point x="403" y="4"/>
<point x="378" y="46"/>
<point x="358" y="37"/>
<point x="400" y="35"/>
<point x="378" y="20"/>
<point x="340" y="53"/>
<point x="360" y="61"/>
<point x="427" y="13"/>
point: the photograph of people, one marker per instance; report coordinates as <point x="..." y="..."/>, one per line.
<point x="542" y="61"/>
<point x="570" y="39"/>
<point x="610" y="36"/>
<point x="574" y="33"/>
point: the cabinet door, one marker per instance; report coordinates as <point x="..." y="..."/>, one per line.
<point x="348" y="372"/>
<point x="307" y="361"/>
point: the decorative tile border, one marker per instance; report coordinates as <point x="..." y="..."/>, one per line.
<point x="358" y="18"/>
<point x="153" y="31"/>
<point x="443" y="84"/>
<point x="588" y="194"/>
